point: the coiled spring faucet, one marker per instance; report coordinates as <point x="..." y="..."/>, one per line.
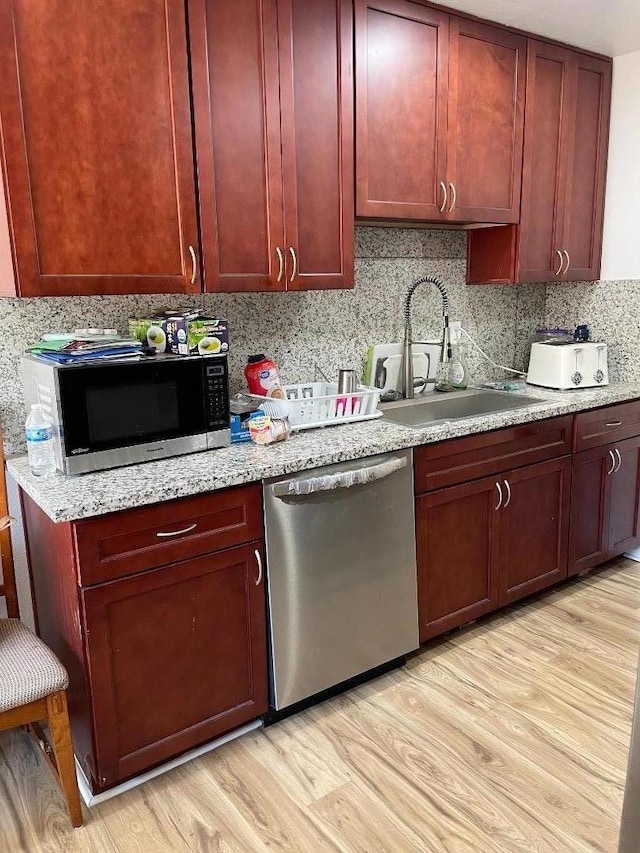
<point x="407" y="349"/>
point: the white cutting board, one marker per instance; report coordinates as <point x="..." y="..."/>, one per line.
<point x="425" y="361"/>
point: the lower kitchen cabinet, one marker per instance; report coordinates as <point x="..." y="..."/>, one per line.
<point x="534" y="528"/>
<point x="457" y="550"/>
<point x="490" y="542"/>
<point x="158" y="614"/>
<point x="589" y="508"/>
<point x="177" y="656"/>
<point x="623" y="529"/>
<point x="605" y="501"/>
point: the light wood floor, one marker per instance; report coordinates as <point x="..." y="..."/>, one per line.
<point x="509" y="736"/>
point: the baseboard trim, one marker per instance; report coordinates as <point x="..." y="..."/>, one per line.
<point x="91" y="799"/>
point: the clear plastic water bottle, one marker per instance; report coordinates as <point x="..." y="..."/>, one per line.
<point x="39" y="432"/>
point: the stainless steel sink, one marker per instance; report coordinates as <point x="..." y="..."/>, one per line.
<point x="423" y="411"/>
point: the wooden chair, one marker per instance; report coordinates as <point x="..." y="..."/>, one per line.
<point x="33" y="681"/>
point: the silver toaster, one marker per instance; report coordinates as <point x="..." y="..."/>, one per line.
<point x="568" y="364"/>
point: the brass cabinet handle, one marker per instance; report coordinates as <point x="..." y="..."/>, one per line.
<point x="559" y="254"/>
<point x="259" y="562"/>
<point x="508" y="486"/>
<point x="619" y="465"/>
<point x="443" y="186"/>
<point x="454" y="196"/>
<point x="500" y="496"/>
<point x="280" y="263"/>
<point x="194" y="264"/>
<point x="177" y="532"/>
<point x="294" y="258"/>
<point x="613" y="463"/>
<point x="566" y="254"/>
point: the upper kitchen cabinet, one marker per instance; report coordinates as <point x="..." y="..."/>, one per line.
<point x="439" y="115"/>
<point x="234" y="54"/>
<point x="487" y="69"/>
<point x="565" y="152"/>
<point x="586" y="169"/>
<point x="97" y="147"/>
<point x="401" y="110"/>
<point x="316" y="86"/>
<point x="273" y="101"/>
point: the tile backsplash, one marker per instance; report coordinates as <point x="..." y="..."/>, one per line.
<point x="300" y="330"/>
<point x="612" y="310"/>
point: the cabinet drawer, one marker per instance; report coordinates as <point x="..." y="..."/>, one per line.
<point x="604" y="426"/>
<point x="125" y="543"/>
<point x="461" y="459"/>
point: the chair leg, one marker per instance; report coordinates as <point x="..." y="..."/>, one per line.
<point x="58" y="718"/>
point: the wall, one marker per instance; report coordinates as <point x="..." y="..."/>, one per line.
<point x="331" y="329"/>
<point x="620" y="254"/>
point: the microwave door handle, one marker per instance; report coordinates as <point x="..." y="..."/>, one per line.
<point x="343" y="480"/>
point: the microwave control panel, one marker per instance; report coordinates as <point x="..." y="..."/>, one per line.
<point x="217" y="395"/>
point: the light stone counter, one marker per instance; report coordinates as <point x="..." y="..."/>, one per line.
<point x="70" y="498"/>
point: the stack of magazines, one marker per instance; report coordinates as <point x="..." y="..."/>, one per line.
<point x="64" y="351"/>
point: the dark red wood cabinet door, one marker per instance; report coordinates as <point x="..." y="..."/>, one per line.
<point x="457" y="550"/>
<point x="623" y="527"/>
<point x="586" y="172"/>
<point x="548" y="115"/>
<point x="564" y="166"/>
<point x="401" y="109"/>
<point x="235" y="79"/>
<point x="316" y="85"/>
<point x="487" y="70"/>
<point x="590" y="501"/>
<point x="177" y="656"/>
<point x="534" y="529"/>
<point x="97" y="146"/>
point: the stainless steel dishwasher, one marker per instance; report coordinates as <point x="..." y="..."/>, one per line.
<point x="341" y="569"/>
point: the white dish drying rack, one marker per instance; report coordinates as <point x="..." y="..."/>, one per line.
<point x="319" y="404"/>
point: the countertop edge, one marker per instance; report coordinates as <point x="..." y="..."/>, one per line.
<point x="66" y="499"/>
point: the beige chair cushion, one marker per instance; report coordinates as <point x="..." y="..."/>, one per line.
<point x="28" y="669"/>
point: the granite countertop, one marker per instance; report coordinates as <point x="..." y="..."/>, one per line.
<point x="66" y="498"/>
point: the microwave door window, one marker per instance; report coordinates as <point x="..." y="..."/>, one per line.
<point x="106" y="407"/>
<point x="132" y="413"/>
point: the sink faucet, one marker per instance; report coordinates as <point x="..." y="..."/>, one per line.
<point x="407" y="349"/>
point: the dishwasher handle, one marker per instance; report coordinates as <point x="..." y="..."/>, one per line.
<point x="342" y="480"/>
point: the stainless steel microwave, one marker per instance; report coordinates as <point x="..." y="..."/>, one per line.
<point x="121" y="412"/>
